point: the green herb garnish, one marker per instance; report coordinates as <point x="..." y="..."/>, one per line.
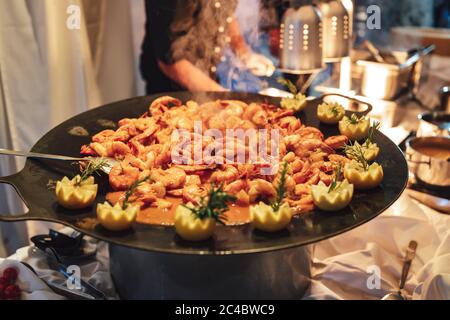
<point x="288" y="83"/>
<point x="281" y="189"/>
<point x="336" y="179"/>
<point x="335" y="109"/>
<point x="355" y="120"/>
<point x="297" y="102"/>
<point x="214" y="205"/>
<point x="373" y="128"/>
<point x="356" y="152"/>
<point x="94" y="166"/>
<point x="130" y="191"/>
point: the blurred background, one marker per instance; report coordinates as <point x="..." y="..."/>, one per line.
<point x="61" y="57"/>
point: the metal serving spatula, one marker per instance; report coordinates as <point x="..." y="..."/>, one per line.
<point x="109" y="162"/>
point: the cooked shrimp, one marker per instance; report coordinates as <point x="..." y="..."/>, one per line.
<point x="172" y="178"/>
<point x="306" y="147"/>
<point x="303" y="174"/>
<point x="147" y="136"/>
<point x="309" y="133"/>
<point x="302" y="189"/>
<point x="149" y="192"/>
<point x="235" y="186"/>
<point x="336" y="158"/>
<point x="261" y="189"/>
<point x="304" y="204"/>
<point x="336" y="142"/>
<point x="255" y="113"/>
<point x="160" y="105"/>
<point x="103" y="136"/>
<point x="233" y="107"/>
<point x="193" y="179"/>
<point x="290" y="124"/>
<point x="122" y="176"/>
<point x="229" y="173"/>
<point x="193" y="193"/>
<point x="289" y="183"/>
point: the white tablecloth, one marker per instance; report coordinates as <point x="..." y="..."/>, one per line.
<point x="340" y="264"/>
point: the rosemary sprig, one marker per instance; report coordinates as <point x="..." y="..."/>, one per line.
<point x="334" y="109"/>
<point x="130" y="191"/>
<point x="357" y="153"/>
<point x="288" y="83"/>
<point x="214" y="205"/>
<point x="93" y="167"/>
<point x="373" y="128"/>
<point x="281" y="189"/>
<point x="354" y="119"/>
<point x="336" y="179"/>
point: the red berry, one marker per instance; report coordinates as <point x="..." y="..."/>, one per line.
<point x="5" y="281"/>
<point x="12" y="292"/>
<point x="2" y="289"/>
<point x="11" y="274"/>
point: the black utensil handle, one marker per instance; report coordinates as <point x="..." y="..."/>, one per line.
<point x="19" y="217"/>
<point x="410" y="254"/>
<point x="405" y="271"/>
<point x="365" y="112"/>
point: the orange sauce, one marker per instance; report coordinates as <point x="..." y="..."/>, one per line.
<point x="234" y="216"/>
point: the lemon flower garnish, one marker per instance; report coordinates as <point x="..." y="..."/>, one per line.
<point x="191" y="228"/>
<point x="116" y="218"/>
<point x="265" y="218"/>
<point x="363" y="177"/>
<point x="333" y="200"/>
<point x="197" y="223"/>
<point x="76" y="193"/>
<point x="297" y="102"/>
<point x="277" y="215"/>
<point x="369" y="149"/>
<point x="330" y="113"/>
<point x="354" y="128"/>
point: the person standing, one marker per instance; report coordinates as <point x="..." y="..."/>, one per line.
<point x="184" y="42"/>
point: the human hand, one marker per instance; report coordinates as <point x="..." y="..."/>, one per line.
<point x="258" y="64"/>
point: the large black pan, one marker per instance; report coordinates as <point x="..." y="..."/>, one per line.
<point x="31" y="184"/>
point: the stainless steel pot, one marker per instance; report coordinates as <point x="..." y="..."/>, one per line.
<point x="434" y="124"/>
<point x="383" y="80"/>
<point x="283" y="274"/>
<point x="434" y="172"/>
<point x="386" y="80"/>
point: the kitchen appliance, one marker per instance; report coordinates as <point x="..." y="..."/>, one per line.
<point x="301" y="40"/>
<point x="433" y="124"/>
<point x="432" y="171"/>
<point x="336" y="30"/>
<point x="398" y="72"/>
<point x="383" y="81"/>
<point x="279" y="262"/>
<point x="445" y="99"/>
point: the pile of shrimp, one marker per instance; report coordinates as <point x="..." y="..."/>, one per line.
<point x="144" y="148"/>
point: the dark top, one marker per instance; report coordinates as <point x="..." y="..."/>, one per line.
<point x="195" y="30"/>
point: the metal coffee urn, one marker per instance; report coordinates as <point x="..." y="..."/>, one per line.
<point x="301" y="40"/>
<point x="336" y="30"/>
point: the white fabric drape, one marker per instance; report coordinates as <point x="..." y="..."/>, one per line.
<point x="49" y="72"/>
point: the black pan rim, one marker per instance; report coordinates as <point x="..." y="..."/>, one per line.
<point x="113" y="241"/>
